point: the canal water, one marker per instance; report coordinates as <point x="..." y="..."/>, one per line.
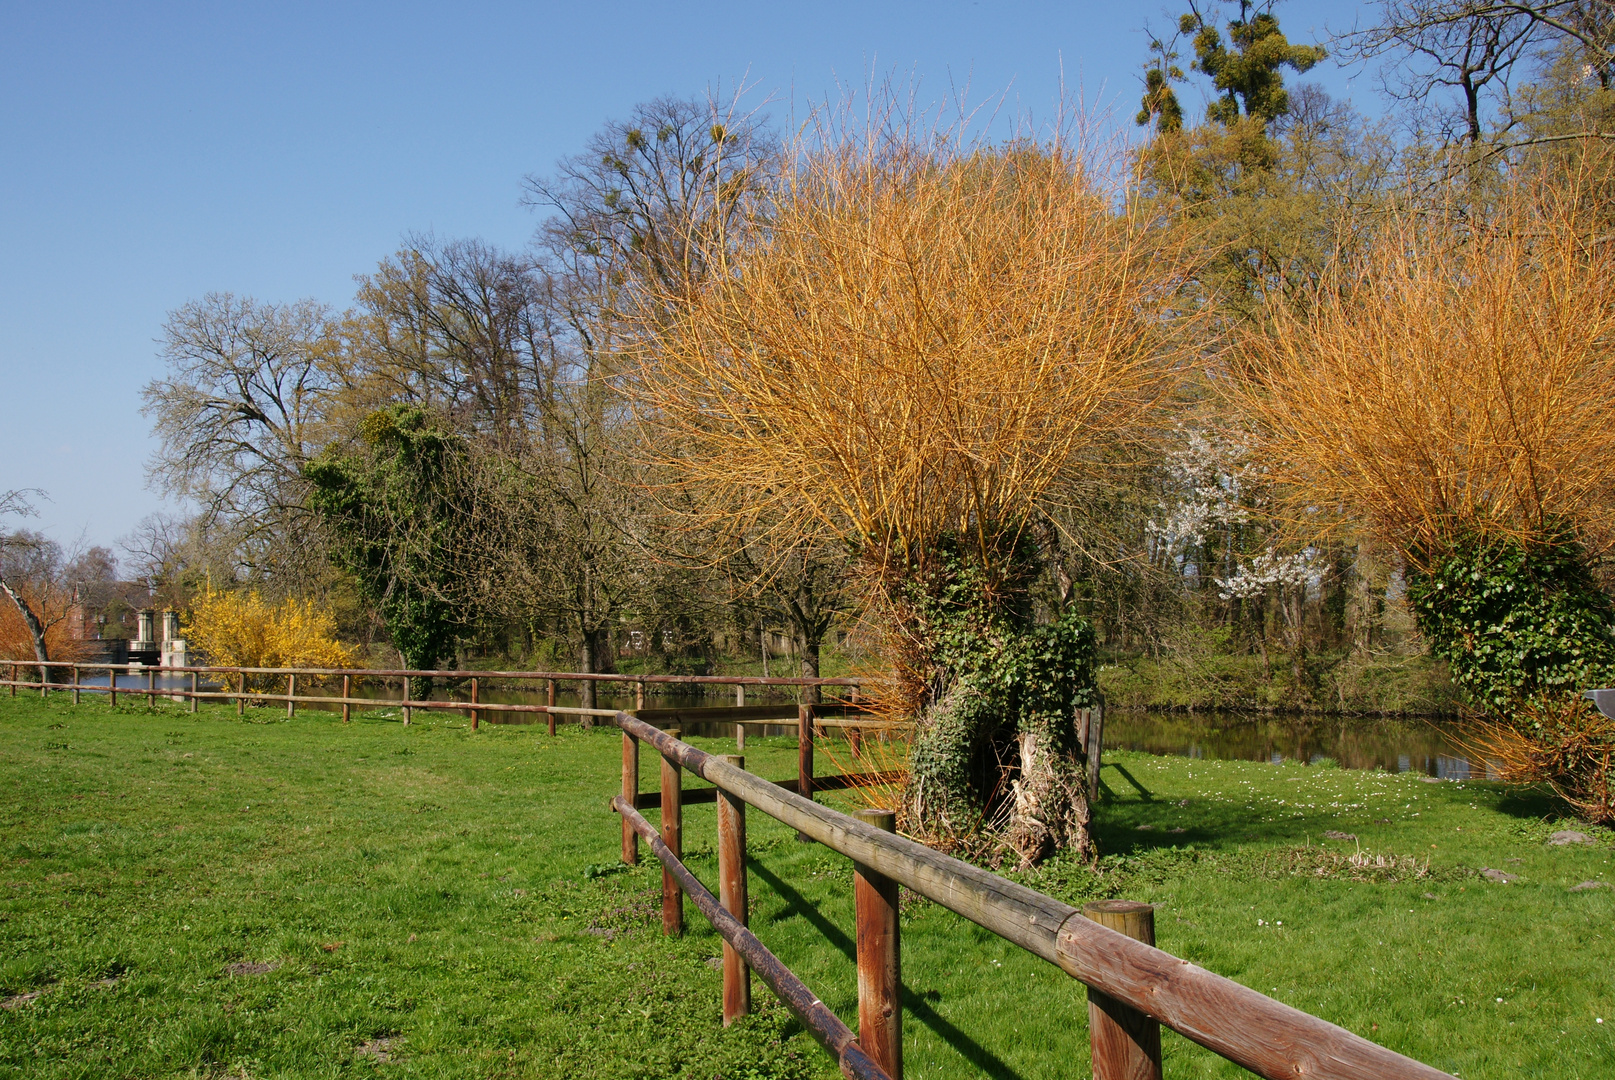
<point x="1396" y="745"/>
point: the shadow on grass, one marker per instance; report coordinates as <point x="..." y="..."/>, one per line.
<point x="914" y="1002"/>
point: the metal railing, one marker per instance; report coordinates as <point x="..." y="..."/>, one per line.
<point x="1133" y="988"/>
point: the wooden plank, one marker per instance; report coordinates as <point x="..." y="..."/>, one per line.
<point x="724" y="714"/>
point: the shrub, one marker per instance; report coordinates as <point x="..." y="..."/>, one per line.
<point x="240" y="629"/>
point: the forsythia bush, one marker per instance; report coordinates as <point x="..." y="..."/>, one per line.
<point x="235" y="629"/>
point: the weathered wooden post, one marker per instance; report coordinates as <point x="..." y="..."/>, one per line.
<point x="1126" y="1044"/>
<point x="75" y="684"/>
<point x="44" y="682"/>
<point x="630" y="795"/>
<point x="193" y="689"/>
<point x="476" y="714"/>
<point x="403" y="696"/>
<point x="13" y="679"/>
<point x="151" y="687"/>
<point x="880" y="957"/>
<point x="673" y="837"/>
<point x="550" y="701"/>
<point x="241" y="693"/>
<point x="346" y="687"/>
<point x="291" y="696"/>
<point x="804" y="757"/>
<point x="740" y="735"/>
<point x="732" y="895"/>
<point x="112" y="685"/>
<point x="740" y="695"/>
<point x="639" y="695"/>
<point x="1092" y="729"/>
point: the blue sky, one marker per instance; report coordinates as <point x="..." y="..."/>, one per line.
<point x="150" y="153"/>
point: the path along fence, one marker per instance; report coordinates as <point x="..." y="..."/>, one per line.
<point x="1133" y="988"/>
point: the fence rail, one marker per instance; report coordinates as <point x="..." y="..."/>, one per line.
<point x="1133" y="986"/>
<point x="243" y="696"/>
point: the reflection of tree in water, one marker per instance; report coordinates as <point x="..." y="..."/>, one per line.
<point x="1394" y="745"/>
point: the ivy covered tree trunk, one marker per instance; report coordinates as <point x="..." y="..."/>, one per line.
<point x="997" y="762"/>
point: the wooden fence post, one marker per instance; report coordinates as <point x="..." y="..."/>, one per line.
<point x="639" y="695"/>
<point x="193" y="690"/>
<point x="13" y="679"/>
<point x="740" y="735"/>
<point x="740" y="695"/>
<point x="880" y="957"/>
<point x="403" y="696"/>
<point x="550" y="699"/>
<point x="476" y="714"/>
<point x="151" y="687"/>
<point x="1126" y="1044"/>
<point x="112" y="685"/>
<point x="673" y="837"/>
<point x="1093" y="747"/>
<point x="804" y="757"/>
<point x="732" y="895"/>
<point x="291" y="696"/>
<point x="630" y="794"/>
<point x="346" y="686"/>
<point x="44" y="682"/>
<point x="75" y="684"/>
<point x="241" y="693"/>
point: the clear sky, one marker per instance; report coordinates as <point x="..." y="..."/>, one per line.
<point x="150" y="153"/>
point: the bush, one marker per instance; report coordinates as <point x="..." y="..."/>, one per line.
<point x="236" y="629"/>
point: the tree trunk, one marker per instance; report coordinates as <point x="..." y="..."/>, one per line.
<point x="1051" y="797"/>
<point x="810" y="668"/>
<point x="36" y="629"/>
<point x="592" y="660"/>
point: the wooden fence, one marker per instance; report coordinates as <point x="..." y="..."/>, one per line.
<point x="1133" y="988"/>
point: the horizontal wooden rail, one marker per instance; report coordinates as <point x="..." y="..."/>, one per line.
<point x="1265" y="1036"/>
<point x="651" y="800"/>
<point x="815" y="1016"/>
<point x="394" y="673"/>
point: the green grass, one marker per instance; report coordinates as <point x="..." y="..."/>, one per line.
<point x="486" y="929"/>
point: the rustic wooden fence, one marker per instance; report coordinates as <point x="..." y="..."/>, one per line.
<point x="1133" y="987"/>
<point x="243" y="695"/>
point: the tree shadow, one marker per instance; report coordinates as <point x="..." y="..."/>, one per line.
<point x="914" y="1002"/>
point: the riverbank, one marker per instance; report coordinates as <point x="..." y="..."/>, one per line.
<point x="207" y="896"/>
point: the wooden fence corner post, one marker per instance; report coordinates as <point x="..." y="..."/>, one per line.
<point x="673" y="837"/>
<point x="880" y="957"/>
<point x="476" y="714"/>
<point x="347" y="685"/>
<point x="1126" y="1044"/>
<point x="804" y="758"/>
<point x="732" y="894"/>
<point x="549" y="698"/>
<point x="630" y="795"/>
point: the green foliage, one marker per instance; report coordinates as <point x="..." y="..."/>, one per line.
<point x="1515" y="621"/>
<point x="392" y="511"/>
<point x="1248" y="74"/>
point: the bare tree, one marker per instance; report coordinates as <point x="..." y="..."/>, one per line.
<point x="240" y="412"/>
<point x="32" y="576"/>
<point x="1476" y="50"/>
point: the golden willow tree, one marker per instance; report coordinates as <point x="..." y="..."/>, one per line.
<point x="1452" y="390"/>
<point x="904" y="351"/>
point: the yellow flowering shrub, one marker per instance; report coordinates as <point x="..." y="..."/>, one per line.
<point x="235" y="629"/>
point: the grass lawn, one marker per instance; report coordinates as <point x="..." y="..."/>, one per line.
<point x="206" y="896"/>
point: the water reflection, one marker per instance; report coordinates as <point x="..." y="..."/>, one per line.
<point x="1400" y="746"/>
